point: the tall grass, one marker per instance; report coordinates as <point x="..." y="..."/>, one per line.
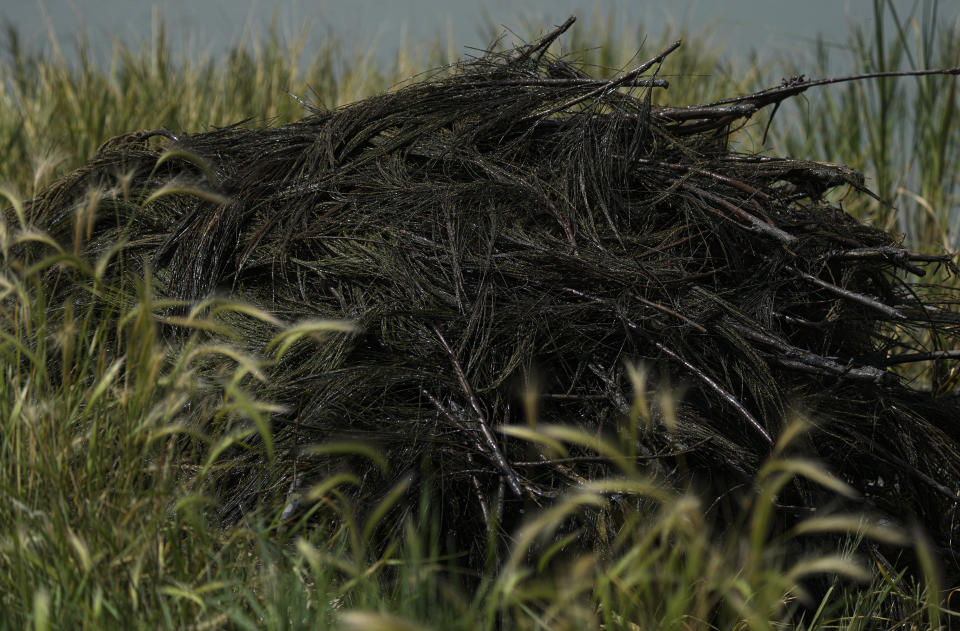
<point x="55" y="112"/>
<point x="902" y="133"/>
<point x="105" y="483"/>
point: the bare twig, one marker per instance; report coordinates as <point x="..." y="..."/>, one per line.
<point x="891" y="254"/>
<point x="495" y="452"/>
<point x="873" y="303"/>
<point x="680" y="114"/>
<point x="669" y="311"/>
<point x="545" y="41"/>
<point x="610" y="85"/>
<point x="479" y="492"/>
<point x="448" y="414"/>
<point x="798" y="85"/>
<point x="806" y="361"/>
<point x="730" y="181"/>
<point x="756" y="223"/>
<point x="743" y="186"/>
<point x="716" y="387"/>
<point x="719" y="113"/>
<point x="572" y="82"/>
<point x="907" y="358"/>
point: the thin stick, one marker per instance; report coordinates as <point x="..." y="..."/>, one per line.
<point x="887" y="310"/>
<point x="743" y="186"/>
<point x="680" y="114"/>
<point x="718" y="113"/>
<point x="450" y="417"/>
<point x="791" y="88"/>
<point x="546" y="40"/>
<point x="901" y="258"/>
<point x="495" y="452"/>
<point x="799" y="359"/>
<point x="610" y="85"/>
<point x="755" y="223"/>
<point x="920" y="357"/>
<point x="573" y="82"/>
<point x="668" y="311"/>
<point x="479" y="492"/>
<point x="719" y="390"/>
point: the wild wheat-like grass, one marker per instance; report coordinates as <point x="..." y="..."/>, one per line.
<point x="104" y="482"/>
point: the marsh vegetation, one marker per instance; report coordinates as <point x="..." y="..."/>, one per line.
<point x="158" y="416"/>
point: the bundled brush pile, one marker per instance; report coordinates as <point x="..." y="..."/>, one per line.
<point x="514" y="226"/>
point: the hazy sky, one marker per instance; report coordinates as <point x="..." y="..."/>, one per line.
<point x="776" y="26"/>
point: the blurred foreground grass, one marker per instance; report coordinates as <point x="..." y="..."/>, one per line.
<point x="103" y="520"/>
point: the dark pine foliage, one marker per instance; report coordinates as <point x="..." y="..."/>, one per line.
<point x="513" y="223"/>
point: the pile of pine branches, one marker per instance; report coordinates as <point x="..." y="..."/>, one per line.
<point x="514" y="225"/>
